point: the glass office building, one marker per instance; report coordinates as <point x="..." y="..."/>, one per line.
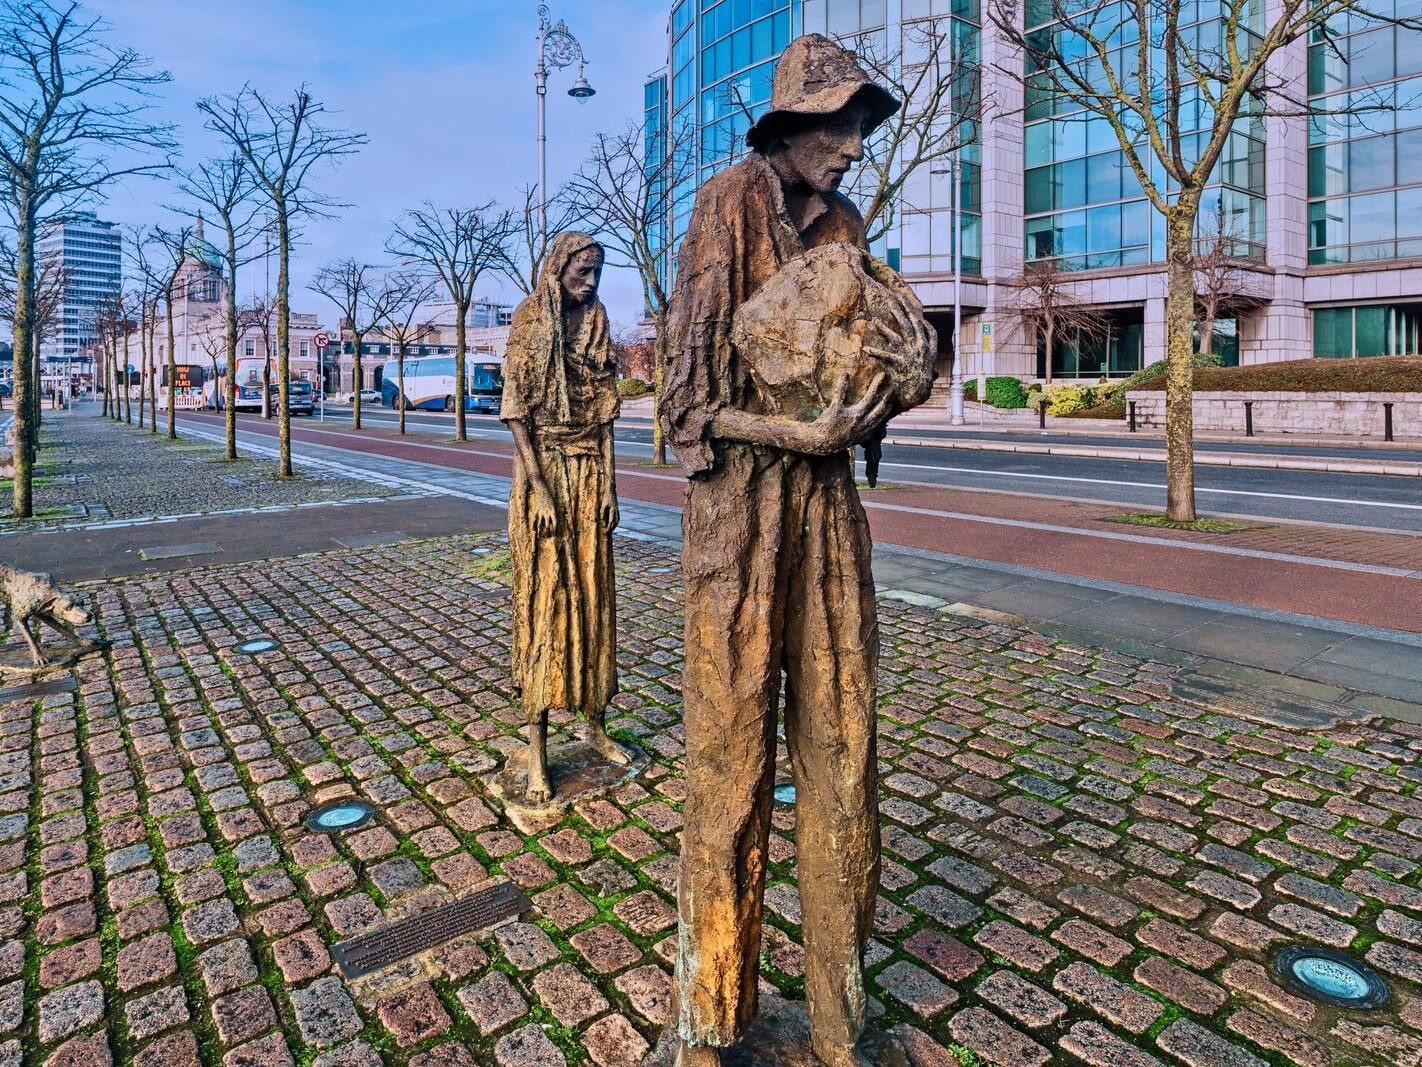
<point x="1330" y="244"/>
<point x="89" y="251"/>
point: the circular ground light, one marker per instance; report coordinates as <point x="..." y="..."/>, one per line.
<point x="785" y="793"/>
<point x="1330" y="977"/>
<point x="261" y="644"/>
<point x="342" y="815"/>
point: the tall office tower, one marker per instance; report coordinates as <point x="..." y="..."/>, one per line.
<point x="90" y="253"/>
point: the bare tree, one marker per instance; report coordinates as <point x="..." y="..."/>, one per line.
<point x="1172" y="88"/>
<point x="405" y="322"/>
<point x="364" y="298"/>
<point x="260" y="315"/>
<point x="621" y="194"/>
<point x="1223" y="256"/>
<point x="139" y="251"/>
<point x="1042" y="301"/>
<point x="73" y="119"/>
<point x="171" y="247"/>
<point x="523" y="254"/>
<point x="458" y="245"/>
<point x="282" y="144"/>
<point x="935" y="72"/>
<point x="223" y="186"/>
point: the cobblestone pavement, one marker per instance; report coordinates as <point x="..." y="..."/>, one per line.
<point x="1078" y="869"/>
<point x="93" y="470"/>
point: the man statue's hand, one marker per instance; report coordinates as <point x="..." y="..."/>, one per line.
<point x="843" y="424"/>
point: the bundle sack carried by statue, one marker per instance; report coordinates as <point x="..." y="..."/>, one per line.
<point x="832" y="312"/>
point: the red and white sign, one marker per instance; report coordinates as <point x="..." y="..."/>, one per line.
<point x="321" y="340"/>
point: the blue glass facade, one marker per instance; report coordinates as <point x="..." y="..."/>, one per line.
<point x="1084" y="205"/>
<point x="1365" y="85"/>
<point x="722" y="62"/>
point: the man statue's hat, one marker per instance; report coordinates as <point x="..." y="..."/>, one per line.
<point x="816" y="76"/>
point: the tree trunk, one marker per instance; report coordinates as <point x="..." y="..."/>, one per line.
<point x="1207" y="327"/>
<point x="127" y="396"/>
<point x="25" y="385"/>
<point x="267" y="374"/>
<point x="359" y="382"/>
<point x="229" y="383"/>
<point x="1049" y="338"/>
<point x="659" y="354"/>
<point x="283" y="340"/>
<point x="1179" y="350"/>
<point x="400" y="380"/>
<point x="152" y="380"/>
<point x="461" y="311"/>
<point x="172" y="369"/>
<point x="142" y="369"/>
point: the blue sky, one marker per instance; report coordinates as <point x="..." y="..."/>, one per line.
<point x="444" y="89"/>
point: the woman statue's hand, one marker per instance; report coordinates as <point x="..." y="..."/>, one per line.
<point x="842" y="424"/>
<point x="542" y="510"/>
<point x="608" y="513"/>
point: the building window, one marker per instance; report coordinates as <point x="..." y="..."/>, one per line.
<point x="305" y="349"/>
<point x="1371" y="330"/>
<point x="1115" y="356"/>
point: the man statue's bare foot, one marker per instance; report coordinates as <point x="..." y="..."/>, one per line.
<point x="888" y="1052"/>
<point x="607" y="748"/>
<point x="697" y="1056"/>
<point x="538" y="793"/>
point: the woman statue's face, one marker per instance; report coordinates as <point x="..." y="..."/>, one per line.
<point x="581" y="276"/>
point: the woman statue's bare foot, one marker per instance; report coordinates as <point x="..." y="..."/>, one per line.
<point x="697" y="1056"/>
<point x="606" y="746"/>
<point x="539" y="790"/>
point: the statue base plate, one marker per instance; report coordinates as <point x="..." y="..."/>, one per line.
<point x="780" y="1035"/>
<point x="15" y="658"/>
<point x="577" y="770"/>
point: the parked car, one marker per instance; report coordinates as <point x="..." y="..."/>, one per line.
<point x="6" y="389"/>
<point x="367" y="396"/>
<point x="300" y="398"/>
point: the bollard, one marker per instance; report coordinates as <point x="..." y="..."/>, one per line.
<point x="1132" y="406"/>
<point x="1249" y="418"/>
<point x="1387" y="421"/>
<point x="1042" y="416"/>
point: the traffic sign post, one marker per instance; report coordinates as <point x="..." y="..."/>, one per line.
<point x="321" y="341"/>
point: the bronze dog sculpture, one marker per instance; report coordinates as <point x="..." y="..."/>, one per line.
<point x="30" y="599"/>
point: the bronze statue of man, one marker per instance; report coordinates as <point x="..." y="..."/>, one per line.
<point x="560" y="399"/>
<point x="775" y="557"/>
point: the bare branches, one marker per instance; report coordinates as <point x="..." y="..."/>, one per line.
<point x="73" y="118"/>
<point x="281" y="143"/>
<point x="936" y="74"/>
<point x="363" y="299"/>
<point x="73" y="109"/>
<point x="523" y="254"/>
<point x="622" y="194"/>
<point x="1043" y="302"/>
<point x="458" y="245"/>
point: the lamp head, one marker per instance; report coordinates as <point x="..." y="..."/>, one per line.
<point x="581" y="90"/>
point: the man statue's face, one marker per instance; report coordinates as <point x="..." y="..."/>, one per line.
<point x="581" y="276"/>
<point x="820" y="155"/>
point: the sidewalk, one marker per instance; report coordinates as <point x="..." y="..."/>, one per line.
<point x="1088" y="858"/>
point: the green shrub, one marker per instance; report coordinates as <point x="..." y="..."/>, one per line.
<point x="1006" y="392"/>
<point x="1065" y="399"/>
<point x="633" y="387"/>
<point x="1157" y="369"/>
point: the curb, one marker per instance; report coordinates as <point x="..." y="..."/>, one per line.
<point x="1202" y="459"/>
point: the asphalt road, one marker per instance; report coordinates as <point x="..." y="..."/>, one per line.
<point x="1376" y="501"/>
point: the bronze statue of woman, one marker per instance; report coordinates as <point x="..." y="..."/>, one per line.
<point x="560" y="399"/>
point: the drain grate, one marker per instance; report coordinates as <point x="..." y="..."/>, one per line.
<point x="420" y="933"/>
<point x="38" y="689"/>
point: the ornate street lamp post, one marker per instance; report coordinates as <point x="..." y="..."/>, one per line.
<point x="557" y="48"/>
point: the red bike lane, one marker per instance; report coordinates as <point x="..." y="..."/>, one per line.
<point x="915" y="517"/>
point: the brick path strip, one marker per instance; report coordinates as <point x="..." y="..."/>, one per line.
<point x="1371" y="599"/>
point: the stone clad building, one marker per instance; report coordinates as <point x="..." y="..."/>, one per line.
<point x="1327" y="210"/>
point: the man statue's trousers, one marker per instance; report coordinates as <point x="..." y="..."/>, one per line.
<point x="776" y="564"/>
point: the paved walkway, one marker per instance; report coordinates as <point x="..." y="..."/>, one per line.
<point x="1087" y="861"/>
<point x="1300" y="618"/>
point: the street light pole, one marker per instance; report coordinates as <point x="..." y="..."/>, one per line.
<point x="955" y="393"/>
<point x="557" y="48"/>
